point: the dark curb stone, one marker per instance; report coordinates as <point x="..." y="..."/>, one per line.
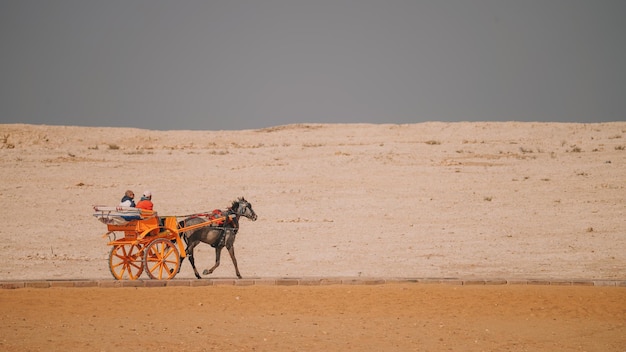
<point x="63" y="283"/>
<point x="310" y="281"/>
<point x="223" y="282"/>
<point x="172" y="283"/>
<point x="604" y="283"/>
<point x="109" y="283"/>
<point x="90" y="283"/>
<point x="201" y="282"/>
<point x="517" y="282"/>
<point x="12" y="285"/>
<point x="430" y="281"/>
<point x="132" y="283"/>
<point x="155" y="283"/>
<point x="474" y="282"/>
<point x="41" y="284"/>
<point x="582" y="283"/>
<point x="363" y="282"/>
<point x="538" y="282"/>
<point x="244" y="282"/>
<point x="561" y="283"/>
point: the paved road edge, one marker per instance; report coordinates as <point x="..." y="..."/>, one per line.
<point x="16" y="284"/>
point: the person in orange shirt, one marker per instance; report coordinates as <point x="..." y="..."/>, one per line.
<point x="146" y="204"/>
<point x="146" y="201"/>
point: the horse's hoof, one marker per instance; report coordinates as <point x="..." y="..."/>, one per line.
<point x="206" y="272"/>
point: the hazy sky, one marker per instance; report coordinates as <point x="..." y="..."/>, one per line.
<point x="232" y="64"/>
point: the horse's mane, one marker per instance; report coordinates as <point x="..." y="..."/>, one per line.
<point x="235" y="204"/>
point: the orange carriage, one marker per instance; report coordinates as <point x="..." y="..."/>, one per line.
<point x="143" y="241"/>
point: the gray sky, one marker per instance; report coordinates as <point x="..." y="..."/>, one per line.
<point x="213" y="65"/>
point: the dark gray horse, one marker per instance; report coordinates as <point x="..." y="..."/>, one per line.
<point x="218" y="236"/>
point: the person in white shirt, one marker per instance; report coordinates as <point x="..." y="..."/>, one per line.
<point x="128" y="200"/>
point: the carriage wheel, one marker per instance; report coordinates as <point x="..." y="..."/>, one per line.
<point x="125" y="261"/>
<point x="161" y="259"/>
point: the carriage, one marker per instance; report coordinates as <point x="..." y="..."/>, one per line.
<point x="143" y="241"/>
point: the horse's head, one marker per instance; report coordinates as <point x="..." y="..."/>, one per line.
<point x="244" y="208"/>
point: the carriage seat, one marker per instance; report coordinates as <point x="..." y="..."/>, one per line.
<point x="120" y="216"/>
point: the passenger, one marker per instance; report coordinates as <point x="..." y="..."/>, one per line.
<point x="146" y="204"/>
<point x="128" y="200"/>
<point x="146" y="201"/>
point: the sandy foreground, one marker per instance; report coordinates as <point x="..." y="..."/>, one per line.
<point x="392" y="317"/>
<point x="440" y="200"/>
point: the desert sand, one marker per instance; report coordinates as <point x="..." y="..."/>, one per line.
<point x="430" y="200"/>
<point x="392" y="317"/>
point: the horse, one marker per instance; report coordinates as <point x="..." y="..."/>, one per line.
<point x="217" y="236"/>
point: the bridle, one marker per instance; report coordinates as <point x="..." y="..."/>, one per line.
<point x="243" y="209"/>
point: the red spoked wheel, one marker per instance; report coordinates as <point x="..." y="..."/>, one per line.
<point x="161" y="259"/>
<point x="126" y="262"/>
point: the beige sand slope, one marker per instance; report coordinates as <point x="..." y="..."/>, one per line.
<point x="471" y="200"/>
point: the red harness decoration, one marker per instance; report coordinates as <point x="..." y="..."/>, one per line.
<point x="216" y="214"/>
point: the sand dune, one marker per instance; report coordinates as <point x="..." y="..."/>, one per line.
<point x="470" y="200"/>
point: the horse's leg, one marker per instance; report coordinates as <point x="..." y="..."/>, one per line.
<point x="230" y="245"/>
<point x="189" y="252"/>
<point x="218" y="252"/>
<point x="182" y="259"/>
<point x="231" y="251"/>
